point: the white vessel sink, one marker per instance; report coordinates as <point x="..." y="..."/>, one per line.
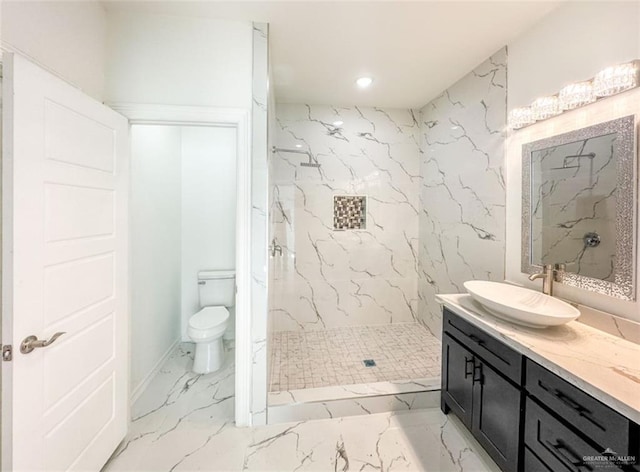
<point x="521" y="305"/>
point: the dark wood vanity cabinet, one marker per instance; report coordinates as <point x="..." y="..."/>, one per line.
<point x="473" y="387"/>
<point x="563" y="425"/>
<point x="527" y="418"/>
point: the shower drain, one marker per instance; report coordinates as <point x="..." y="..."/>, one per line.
<point x="369" y="363"/>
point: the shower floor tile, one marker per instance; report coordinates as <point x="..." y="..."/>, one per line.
<point x="323" y="358"/>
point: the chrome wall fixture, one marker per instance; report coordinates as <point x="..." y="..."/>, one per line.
<point x="312" y="160"/>
<point x="610" y="81"/>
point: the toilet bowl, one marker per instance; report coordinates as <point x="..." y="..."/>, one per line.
<point x="216" y="293"/>
<point x="206" y="329"/>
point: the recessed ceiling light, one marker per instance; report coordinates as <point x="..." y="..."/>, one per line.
<point x="364" y="82"/>
<point x="338" y="123"/>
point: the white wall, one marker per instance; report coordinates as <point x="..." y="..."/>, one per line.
<point x="68" y="38"/>
<point x="570" y="44"/>
<point x="178" y="60"/>
<point x="183" y="199"/>
<point x="155" y="246"/>
<point x="169" y="60"/>
<point x="614" y="107"/>
<point x="208" y="208"/>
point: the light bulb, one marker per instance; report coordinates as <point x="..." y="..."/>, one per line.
<point x="616" y="79"/>
<point x="364" y="82"/>
<point x="545" y="107"/>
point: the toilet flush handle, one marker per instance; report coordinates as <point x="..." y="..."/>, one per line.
<point x="202" y="282"/>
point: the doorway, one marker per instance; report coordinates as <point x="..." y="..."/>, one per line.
<point x="237" y="122"/>
<point x="183" y="221"/>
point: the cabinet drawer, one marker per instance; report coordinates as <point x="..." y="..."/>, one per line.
<point x="555" y="445"/>
<point x="504" y="359"/>
<point x="532" y="463"/>
<point x="592" y="418"/>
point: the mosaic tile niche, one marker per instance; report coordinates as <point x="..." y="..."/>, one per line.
<point x="349" y="212"/>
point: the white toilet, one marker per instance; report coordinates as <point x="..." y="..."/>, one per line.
<point x="206" y="328"/>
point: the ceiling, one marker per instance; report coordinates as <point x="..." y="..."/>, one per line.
<point x="412" y="49"/>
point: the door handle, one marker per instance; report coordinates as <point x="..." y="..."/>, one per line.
<point x="467" y="362"/>
<point x="477" y="368"/>
<point x="29" y="343"/>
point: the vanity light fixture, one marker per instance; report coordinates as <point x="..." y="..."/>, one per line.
<point x="576" y="95"/>
<point x="520" y="117"/>
<point x="616" y="79"/>
<point x="545" y="107"/>
<point x="364" y="82"/>
<point x="610" y="81"/>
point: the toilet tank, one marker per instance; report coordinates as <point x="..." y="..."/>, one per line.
<point x="217" y="287"/>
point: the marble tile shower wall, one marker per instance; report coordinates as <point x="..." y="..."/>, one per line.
<point x="328" y="278"/>
<point x="462" y="195"/>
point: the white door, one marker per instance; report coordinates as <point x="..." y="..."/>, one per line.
<point x="65" y="186"/>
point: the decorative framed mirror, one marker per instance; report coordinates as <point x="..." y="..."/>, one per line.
<point x="579" y="198"/>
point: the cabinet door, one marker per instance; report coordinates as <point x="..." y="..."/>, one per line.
<point x="496" y="416"/>
<point x="457" y="371"/>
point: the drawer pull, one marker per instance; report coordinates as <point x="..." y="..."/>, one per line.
<point x="482" y="343"/>
<point x="571" y="403"/>
<point x="477" y="368"/>
<point x="572" y="458"/>
<point x="467" y="371"/>
<point x="476" y="339"/>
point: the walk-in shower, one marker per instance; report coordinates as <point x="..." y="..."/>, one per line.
<point x="345" y="336"/>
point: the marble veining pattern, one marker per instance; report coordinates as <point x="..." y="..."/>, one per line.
<point x="184" y="422"/>
<point x="601" y="364"/>
<point x="592" y="212"/>
<point x="353" y="406"/>
<point x="573" y="193"/>
<point x="354" y="391"/>
<point x="334" y="357"/>
<point x="325" y="278"/>
<point x="259" y="223"/>
<point x="462" y="196"/>
<point x="618" y="327"/>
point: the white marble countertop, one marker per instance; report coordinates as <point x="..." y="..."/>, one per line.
<point x="603" y="365"/>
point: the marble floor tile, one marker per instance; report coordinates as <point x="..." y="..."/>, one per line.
<point x="184" y="422"/>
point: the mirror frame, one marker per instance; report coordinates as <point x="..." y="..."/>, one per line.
<point x="623" y="286"/>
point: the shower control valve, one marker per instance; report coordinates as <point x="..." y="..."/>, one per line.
<point x="591" y="240"/>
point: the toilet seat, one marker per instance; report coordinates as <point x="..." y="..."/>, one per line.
<point x="209" y="322"/>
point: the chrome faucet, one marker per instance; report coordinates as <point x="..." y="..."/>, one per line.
<point x="549" y="274"/>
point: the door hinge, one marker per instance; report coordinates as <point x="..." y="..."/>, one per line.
<point x="7" y="353"/>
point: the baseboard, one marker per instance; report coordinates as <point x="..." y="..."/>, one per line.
<point x="135" y="394"/>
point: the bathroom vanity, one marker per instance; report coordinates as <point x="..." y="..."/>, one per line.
<point x="565" y="398"/>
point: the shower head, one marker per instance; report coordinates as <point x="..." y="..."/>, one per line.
<point x="312" y="161"/>
<point x="568" y="161"/>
